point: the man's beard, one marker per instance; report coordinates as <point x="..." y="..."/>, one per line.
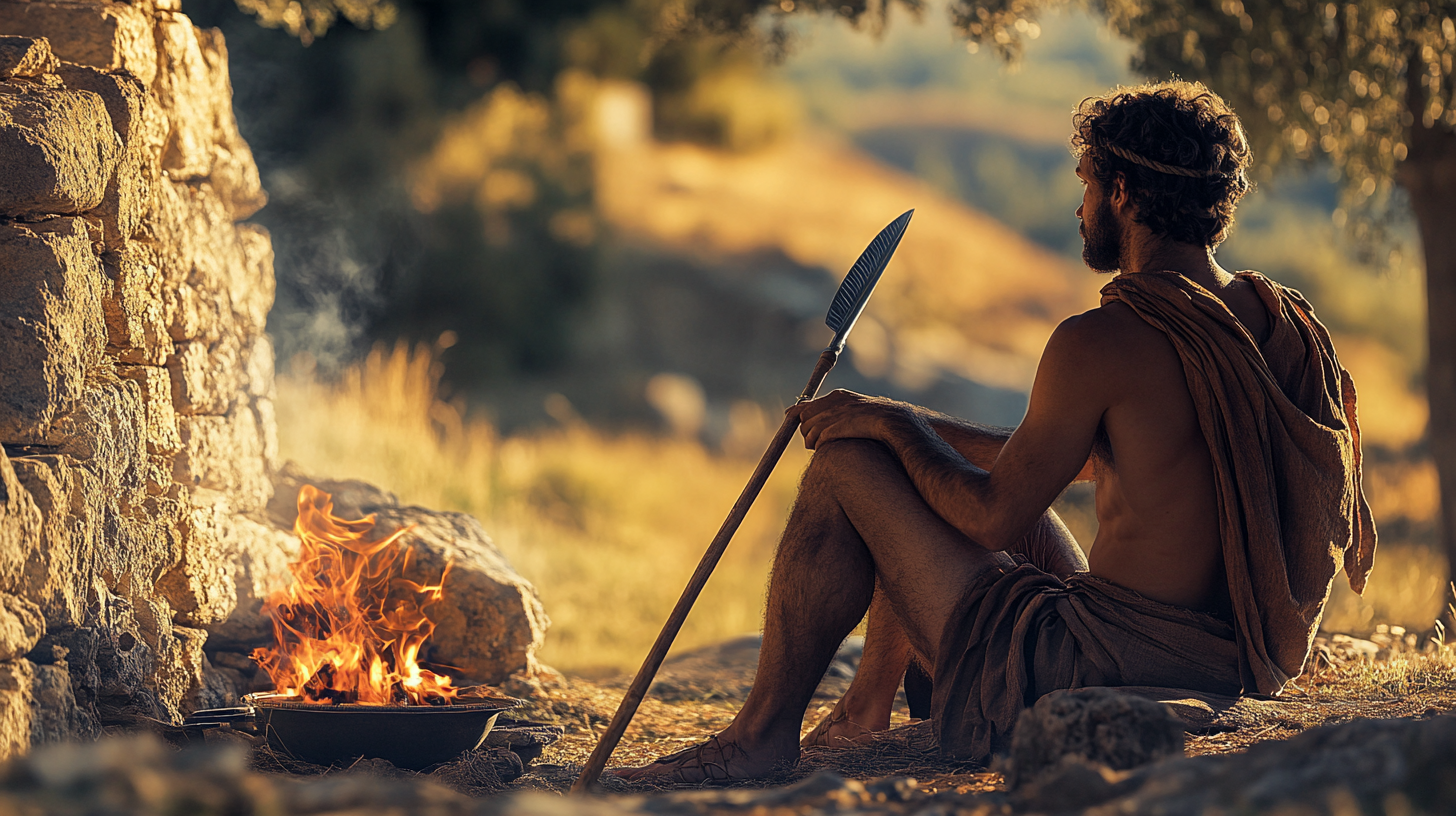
<point x="1101" y="242"/>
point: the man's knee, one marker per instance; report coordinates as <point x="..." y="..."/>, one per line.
<point x="849" y="456"/>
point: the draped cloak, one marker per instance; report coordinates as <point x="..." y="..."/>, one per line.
<point x="1279" y="419"/>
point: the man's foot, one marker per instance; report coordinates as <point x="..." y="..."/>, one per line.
<point x="837" y="730"/>
<point x="717" y="761"/>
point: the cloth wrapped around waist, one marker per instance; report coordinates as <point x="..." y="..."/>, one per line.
<point x="1021" y="632"/>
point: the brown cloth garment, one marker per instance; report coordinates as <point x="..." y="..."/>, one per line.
<point x="1286" y="450"/>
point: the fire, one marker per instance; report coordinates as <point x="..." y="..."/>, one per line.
<point x="350" y="627"/>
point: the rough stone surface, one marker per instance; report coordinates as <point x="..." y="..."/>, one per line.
<point x="134" y="306"/>
<point x="1100" y="726"/>
<point x="25" y="57"/>
<point x="259" y="554"/>
<point x="57" y="150"/>
<point x="21" y="626"/>
<point x="15" y="704"/>
<point x="141" y="130"/>
<point x="111" y="36"/>
<point x="51" y="323"/>
<point x="226" y="453"/>
<point x="20" y="526"/>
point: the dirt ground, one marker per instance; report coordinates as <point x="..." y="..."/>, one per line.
<point x="1382" y="675"/>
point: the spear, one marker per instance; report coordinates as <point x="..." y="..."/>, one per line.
<point x="849" y="302"/>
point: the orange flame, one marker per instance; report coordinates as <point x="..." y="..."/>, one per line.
<point x="350" y="627"/>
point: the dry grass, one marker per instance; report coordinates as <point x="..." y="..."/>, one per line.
<point x="608" y="527"/>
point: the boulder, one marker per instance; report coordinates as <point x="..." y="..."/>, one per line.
<point x="57" y="150"/>
<point x="105" y="35"/>
<point x="55" y="565"/>
<point x="26" y="57"/>
<point x="199" y="584"/>
<point x="54" y="715"/>
<point x="51" y="325"/>
<point x="258" y="555"/>
<point x="489" y="622"/>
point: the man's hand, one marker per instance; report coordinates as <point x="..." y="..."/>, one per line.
<point x="846" y="415"/>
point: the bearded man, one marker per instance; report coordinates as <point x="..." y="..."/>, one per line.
<point x="1209" y="408"/>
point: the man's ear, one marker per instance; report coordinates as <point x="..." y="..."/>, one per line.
<point x="1118" y="196"/>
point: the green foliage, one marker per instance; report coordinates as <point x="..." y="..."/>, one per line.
<point x="1313" y="80"/>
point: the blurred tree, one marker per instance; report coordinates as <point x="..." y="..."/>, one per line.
<point x="1363" y="86"/>
<point x="342" y="117"/>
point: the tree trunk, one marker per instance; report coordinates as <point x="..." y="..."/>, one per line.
<point x="1429" y="175"/>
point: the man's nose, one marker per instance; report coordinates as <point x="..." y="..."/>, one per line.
<point x="1079" y="210"/>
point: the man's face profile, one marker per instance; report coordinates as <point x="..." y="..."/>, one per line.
<point x="1101" y="239"/>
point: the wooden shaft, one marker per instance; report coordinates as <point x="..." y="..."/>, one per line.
<point x="628" y="707"/>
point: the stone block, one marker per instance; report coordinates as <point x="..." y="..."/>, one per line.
<point x="20" y="526"/>
<point x="51" y="326"/>
<point x="186" y="87"/>
<point x="162" y="435"/>
<point x="134" y="306"/>
<point x="57" y="150"/>
<point x="225" y="453"/>
<point x="15" y="705"/>
<point x="57" y="567"/>
<point x="142" y="129"/>
<point x="199" y="585"/>
<point x="21" y="626"/>
<point x="259" y="555"/>
<point x="233" y="172"/>
<point x="258" y="360"/>
<point x="26" y="57"/>
<point x="109" y="36"/>
<point x="54" y="715"/>
<point x="208" y="378"/>
<point x="105" y="434"/>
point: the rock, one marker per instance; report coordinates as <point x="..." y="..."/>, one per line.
<point x="51" y="324"/>
<point x="259" y="555"/>
<point x="489" y="622"/>
<point x="186" y="87"/>
<point x="54" y="715"/>
<point x="161" y="434"/>
<point x="208" y="378"/>
<point x="57" y="574"/>
<point x="234" y="174"/>
<point x="133" y="305"/>
<point x="105" y="35"/>
<point x="20" y="526"/>
<point x="225" y="453"/>
<point x="199" y="585"/>
<point x="15" y="703"/>
<point x="21" y="626"/>
<point x="141" y="129"/>
<point x="1365" y="766"/>
<point x="25" y="57"/>
<point x="57" y="150"/>
<point x="1101" y="726"/>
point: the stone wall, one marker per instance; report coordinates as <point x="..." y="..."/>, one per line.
<point x="137" y="541"/>
<point x="135" y="375"/>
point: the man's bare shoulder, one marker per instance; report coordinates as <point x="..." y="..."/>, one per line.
<point x="1111" y="335"/>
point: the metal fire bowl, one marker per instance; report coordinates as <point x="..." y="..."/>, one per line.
<point x="413" y="737"/>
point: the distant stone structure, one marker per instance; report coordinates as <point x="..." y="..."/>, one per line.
<point x="136" y="382"/>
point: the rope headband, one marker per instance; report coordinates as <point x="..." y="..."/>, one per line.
<point x="1170" y="169"/>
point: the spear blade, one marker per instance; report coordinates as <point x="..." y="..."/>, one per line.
<point x="854" y="293"/>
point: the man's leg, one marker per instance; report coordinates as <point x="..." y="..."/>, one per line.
<point x="858" y="520"/>
<point x="866" y="704"/>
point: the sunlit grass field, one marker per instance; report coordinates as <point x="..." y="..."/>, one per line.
<point x="609" y="527"/>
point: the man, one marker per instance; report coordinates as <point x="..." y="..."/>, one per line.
<point x="1208" y="407"/>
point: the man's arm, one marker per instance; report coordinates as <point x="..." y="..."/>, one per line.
<point x="993" y="506"/>
<point x="979" y="444"/>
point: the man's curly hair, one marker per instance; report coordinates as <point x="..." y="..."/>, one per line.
<point x="1181" y="149"/>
